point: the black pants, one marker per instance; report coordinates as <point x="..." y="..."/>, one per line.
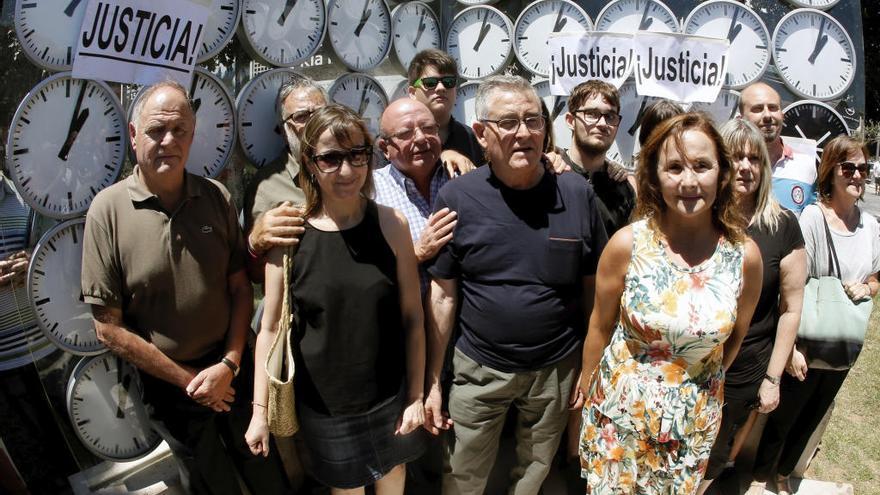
<point x="738" y="402"/>
<point x="801" y="408"/>
<point x="209" y="446"/>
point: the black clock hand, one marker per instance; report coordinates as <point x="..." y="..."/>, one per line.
<point x="71" y="7"/>
<point x="123" y="396"/>
<point x="364" y="16"/>
<point x="484" y="30"/>
<point x="420" y="31"/>
<point x="646" y="21"/>
<point x="638" y="121"/>
<point x="734" y="27"/>
<point x="192" y="92"/>
<point x="364" y="102"/>
<point x="560" y="21"/>
<point x="820" y="42"/>
<point x="288" y="6"/>
<point x="76" y="122"/>
<point x="558" y="107"/>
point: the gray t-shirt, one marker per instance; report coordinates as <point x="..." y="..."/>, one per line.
<point x="857" y="252"/>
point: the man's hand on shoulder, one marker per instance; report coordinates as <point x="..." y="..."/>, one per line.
<point x="435" y="235"/>
<point x="280" y="226"/>
<point x="616" y="171"/>
<point x="554" y="163"/>
<point x="14" y="268"/>
<point x="455" y="163"/>
<point x="212" y="387"/>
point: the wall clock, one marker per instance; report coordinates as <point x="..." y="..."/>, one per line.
<point x="534" y="25"/>
<point x="629" y="16"/>
<point x="48" y="31"/>
<point x="282" y="32"/>
<point x="104" y="401"/>
<point x="477" y="2"/>
<point x="749" y="54"/>
<point x="465" y="109"/>
<point x="66" y="142"/>
<point x="364" y="95"/>
<point x="479" y="38"/>
<point x="55" y="292"/>
<point x="632" y="106"/>
<point x="415" y="28"/>
<point x="815" y="120"/>
<point x="814" y="54"/>
<point x="360" y="32"/>
<point x="724" y="108"/>
<point x="259" y="132"/>
<point x="221" y="25"/>
<point x="558" y="107"/>
<point x="815" y="4"/>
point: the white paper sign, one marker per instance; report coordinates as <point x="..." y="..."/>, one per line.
<point x="140" y="42"/>
<point x="680" y="67"/>
<point x="579" y="57"/>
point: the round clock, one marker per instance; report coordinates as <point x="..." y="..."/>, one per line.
<point x="558" y="107"/>
<point x="814" y="54"/>
<point x="477" y="2"/>
<point x="815" y="120"/>
<point x="48" y="31"/>
<point x="465" y="109"/>
<point x="66" y="142"/>
<point x="259" y="131"/>
<point x="364" y="95"/>
<point x="400" y="91"/>
<point x="415" y="28"/>
<point x="815" y="4"/>
<point x="360" y="32"/>
<point x="215" y="124"/>
<point x="479" y="38"/>
<point x="749" y="54"/>
<point x="55" y="291"/>
<point x="219" y="29"/>
<point x="282" y="32"/>
<point x="632" y="107"/>
<point x="534" y="25"/>
<point x="724" y="108"/>
<point x="629" y="16"/>
<point x="104" y="401"/>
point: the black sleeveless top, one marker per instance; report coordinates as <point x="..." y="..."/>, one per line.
<point x="348" y="341"/>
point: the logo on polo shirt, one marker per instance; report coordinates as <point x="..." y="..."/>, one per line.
<point x="207" y="229"/>
<point x="797" y="195"/>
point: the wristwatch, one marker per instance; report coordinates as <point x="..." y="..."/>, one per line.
<point x="772" y="379"/>
<point x="234" y="367"/>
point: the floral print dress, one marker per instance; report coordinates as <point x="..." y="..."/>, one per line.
<point x="655" y="401"/>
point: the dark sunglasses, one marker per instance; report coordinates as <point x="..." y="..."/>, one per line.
<point x="449" y="82"/>
<point x="330" y="161"/>
<point x="848" y="169"/>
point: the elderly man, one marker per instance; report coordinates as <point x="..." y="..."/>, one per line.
<point x="794" y="173"/>
<point x="518" y="276"/>
<point x="163" y="268"/>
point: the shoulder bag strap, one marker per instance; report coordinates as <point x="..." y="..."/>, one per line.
<point x="833" y="262"/>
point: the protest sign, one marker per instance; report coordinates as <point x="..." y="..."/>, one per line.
<point x="679" y="67"/>
<point x="579" y="57"/>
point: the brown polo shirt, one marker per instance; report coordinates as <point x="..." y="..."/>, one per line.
<point x="167" y="272"/>
<point x="271" y="186"/>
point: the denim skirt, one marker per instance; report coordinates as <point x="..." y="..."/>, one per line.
<point x="356" y="450"/>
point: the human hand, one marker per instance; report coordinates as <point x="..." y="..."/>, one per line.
<point x="554" y="163"/>
<point x="857" y="291"/>
<point x="435" y="235"/>
<point x="768" y="397"/>
<point x="797" y="365"/>
<point x="617" y="172"/>
<point x="14" y="268"/>
<point x="435" y="419"/>
<point x="280" y="226"/>
<point x="576" y="399"/>
<point x="212" y="387"/>
<point x="413" y="417"/>
<point x="455" y="163"/>
<point x="257" y="434"/>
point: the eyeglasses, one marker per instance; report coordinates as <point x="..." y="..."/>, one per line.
<point x="534" y="124"/>
<point x="300" y="117"/>
<point x="848" y="169"/>
<point x="591" y="116"/>
<point x="330" y="161"/>
<point x="408" y="134"/>
<point x="449" y="82"/>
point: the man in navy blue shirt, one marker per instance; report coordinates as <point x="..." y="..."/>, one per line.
<point x="517" y="279"/>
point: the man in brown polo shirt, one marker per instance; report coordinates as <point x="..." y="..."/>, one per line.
<point x="163" y="268"/>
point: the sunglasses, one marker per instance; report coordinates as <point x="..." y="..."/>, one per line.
<point x="449" y="82"/>
<point x="848" y="169"/>
<point x="330" y="161"/>
<point x="300" y="117"/>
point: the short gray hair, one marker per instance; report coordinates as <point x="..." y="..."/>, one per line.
<point x="494" y="84"/>
<point x="296" y="83"/>
<point x="148" y="92"/>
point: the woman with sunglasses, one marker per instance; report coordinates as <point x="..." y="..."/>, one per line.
<point x="358" y="335"/>
<point x="812" y="382"/>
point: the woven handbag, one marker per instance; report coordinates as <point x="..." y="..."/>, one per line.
<point x="280" y="367"/>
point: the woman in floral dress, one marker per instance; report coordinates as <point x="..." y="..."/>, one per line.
<point x="675" y="292"/>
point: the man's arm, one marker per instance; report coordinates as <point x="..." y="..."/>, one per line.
<point x="280" y="226"/>
<point x="442" y="304"/>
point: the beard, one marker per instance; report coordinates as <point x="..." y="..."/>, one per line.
<point x="770" y="136"/>
<point x="592" y="147"/>
<point x="293" y="145"/>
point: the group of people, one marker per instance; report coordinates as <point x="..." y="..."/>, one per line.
<point x="481" y="270"/>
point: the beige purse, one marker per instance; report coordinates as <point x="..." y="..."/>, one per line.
<point x="280" y="367"/>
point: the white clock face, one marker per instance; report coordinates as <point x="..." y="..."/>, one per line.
<point x="66" y="143"/>
<point x="282" y="32"/>
<point x="479" y="39"/>
<point x="558" y="107"/>
<point x="400" y="91"/>
<point x="104" y="401"/>
<point x="749" y="53"/>
<point x="724" y="108"/>
<point x="632" y="107"/>
<point x="465" y="109"/>
<point x="815" y="120"/>
<point x="360" y="32"/>
<point x="48" y="31"/>
<point x="364" y="95"/>
<point x="220" y="27"/>
<point x="629" y="16"/>
<point x="416" y="28"/>
<point x="55" y="291"/>
<point x="477" y="2"/>
<point x="815" y="4"/>
<point x="533" y="28"/>
<point x="259" y="132"/>
<point x="814" y="54"/>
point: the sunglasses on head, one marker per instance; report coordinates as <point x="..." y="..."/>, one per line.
<point x="848" y="169"/>
<point x="449" y="82"/>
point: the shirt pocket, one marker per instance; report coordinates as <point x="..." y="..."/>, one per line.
<point x="560" y="266"/>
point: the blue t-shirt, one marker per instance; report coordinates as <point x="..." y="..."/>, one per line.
<point x="519" y="257"/>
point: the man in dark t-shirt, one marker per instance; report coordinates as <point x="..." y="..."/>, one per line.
<point x="519" y="275"/>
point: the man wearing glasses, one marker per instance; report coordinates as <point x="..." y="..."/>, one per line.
<point x="593" y="116"/>
<point x="517" y="279"/>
